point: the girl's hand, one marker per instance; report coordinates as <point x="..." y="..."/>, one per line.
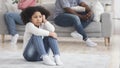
<point x="44" y="19"/>
<point x="53" y="34"/>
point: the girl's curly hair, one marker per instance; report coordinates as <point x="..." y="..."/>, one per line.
<point x="27" y="13"/>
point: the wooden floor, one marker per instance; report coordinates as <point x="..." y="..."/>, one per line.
<point x="79" y="47"/>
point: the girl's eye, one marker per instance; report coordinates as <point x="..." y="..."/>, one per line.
<point x="35" y="17"/>
<point x="40" y="16"/>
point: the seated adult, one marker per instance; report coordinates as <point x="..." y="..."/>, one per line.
<point x="65" y="16"/>
<point x="13" y="18"/>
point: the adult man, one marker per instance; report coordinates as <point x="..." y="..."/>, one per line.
<point x="66" y="16"/>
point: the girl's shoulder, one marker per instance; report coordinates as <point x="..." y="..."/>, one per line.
<point x="29" y="24"/>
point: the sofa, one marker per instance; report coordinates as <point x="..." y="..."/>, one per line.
<point x="102" y="29"/>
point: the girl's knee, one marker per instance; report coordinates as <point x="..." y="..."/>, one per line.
<point x="48" y="38"/>
<point x="36" y="37"/>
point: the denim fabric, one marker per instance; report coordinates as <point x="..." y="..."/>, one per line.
<point x="37" y="47"/>
<point x="11" y="20"/>
<point x="52" y="43"/>
<point x="67" y="20"/>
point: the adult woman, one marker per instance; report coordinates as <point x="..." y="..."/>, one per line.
<point x="13" y="18"/>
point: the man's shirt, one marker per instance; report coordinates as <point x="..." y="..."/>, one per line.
<point x="60" y="4"/>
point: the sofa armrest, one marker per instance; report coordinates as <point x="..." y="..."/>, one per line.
<point x="106" y="24"/>
<point x="3" y="28"/>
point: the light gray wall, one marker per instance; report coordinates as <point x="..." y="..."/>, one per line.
<point x="116" y="8"/>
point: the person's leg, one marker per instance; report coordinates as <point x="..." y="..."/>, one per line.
<point x="71" y="20"/>
<point x="88" y="41"/>
<point x="87" y="22"/>
<point x="11" y="20"/>
<point x="30" y="52"/>
<point x="53" y="44"/>
<point x="38" y="45"/>
<point x="46" y="45"/>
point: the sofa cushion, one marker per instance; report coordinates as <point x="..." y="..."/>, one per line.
<point x="93" y="27"/>
<point x="20" y="27"/>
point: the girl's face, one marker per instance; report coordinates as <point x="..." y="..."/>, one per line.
<point x="37" y="19"/>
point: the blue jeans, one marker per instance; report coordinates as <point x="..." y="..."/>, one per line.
<point x="67" y="20"/>
<point x="37" y="47"/>
<point x="11" y="20"/>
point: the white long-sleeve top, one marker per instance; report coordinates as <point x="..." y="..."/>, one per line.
<point x="31" y="29"/>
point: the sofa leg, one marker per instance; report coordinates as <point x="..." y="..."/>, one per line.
<point x="3" y="38"/>
<point x="107" y="41"/>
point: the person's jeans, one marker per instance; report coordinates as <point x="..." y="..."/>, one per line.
<point x="11" y="20"/>
<point x="67" y="20"/>
<point x="37" y="47"/>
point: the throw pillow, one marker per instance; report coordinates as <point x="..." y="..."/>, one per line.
<point x="97" y="9"/>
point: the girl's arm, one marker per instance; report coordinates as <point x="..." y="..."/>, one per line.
<point x="31" y="28"/>
<point x="48" y="26"/>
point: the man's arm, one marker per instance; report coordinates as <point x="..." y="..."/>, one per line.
<point x="69" y="10"/>
<point x="84" y="17"/>
<point x="87" y="9"/>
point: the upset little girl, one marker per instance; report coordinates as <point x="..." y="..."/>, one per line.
<point x="39" y="36"/>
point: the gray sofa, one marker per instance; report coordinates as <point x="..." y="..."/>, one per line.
<point x="95" y="29"/>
